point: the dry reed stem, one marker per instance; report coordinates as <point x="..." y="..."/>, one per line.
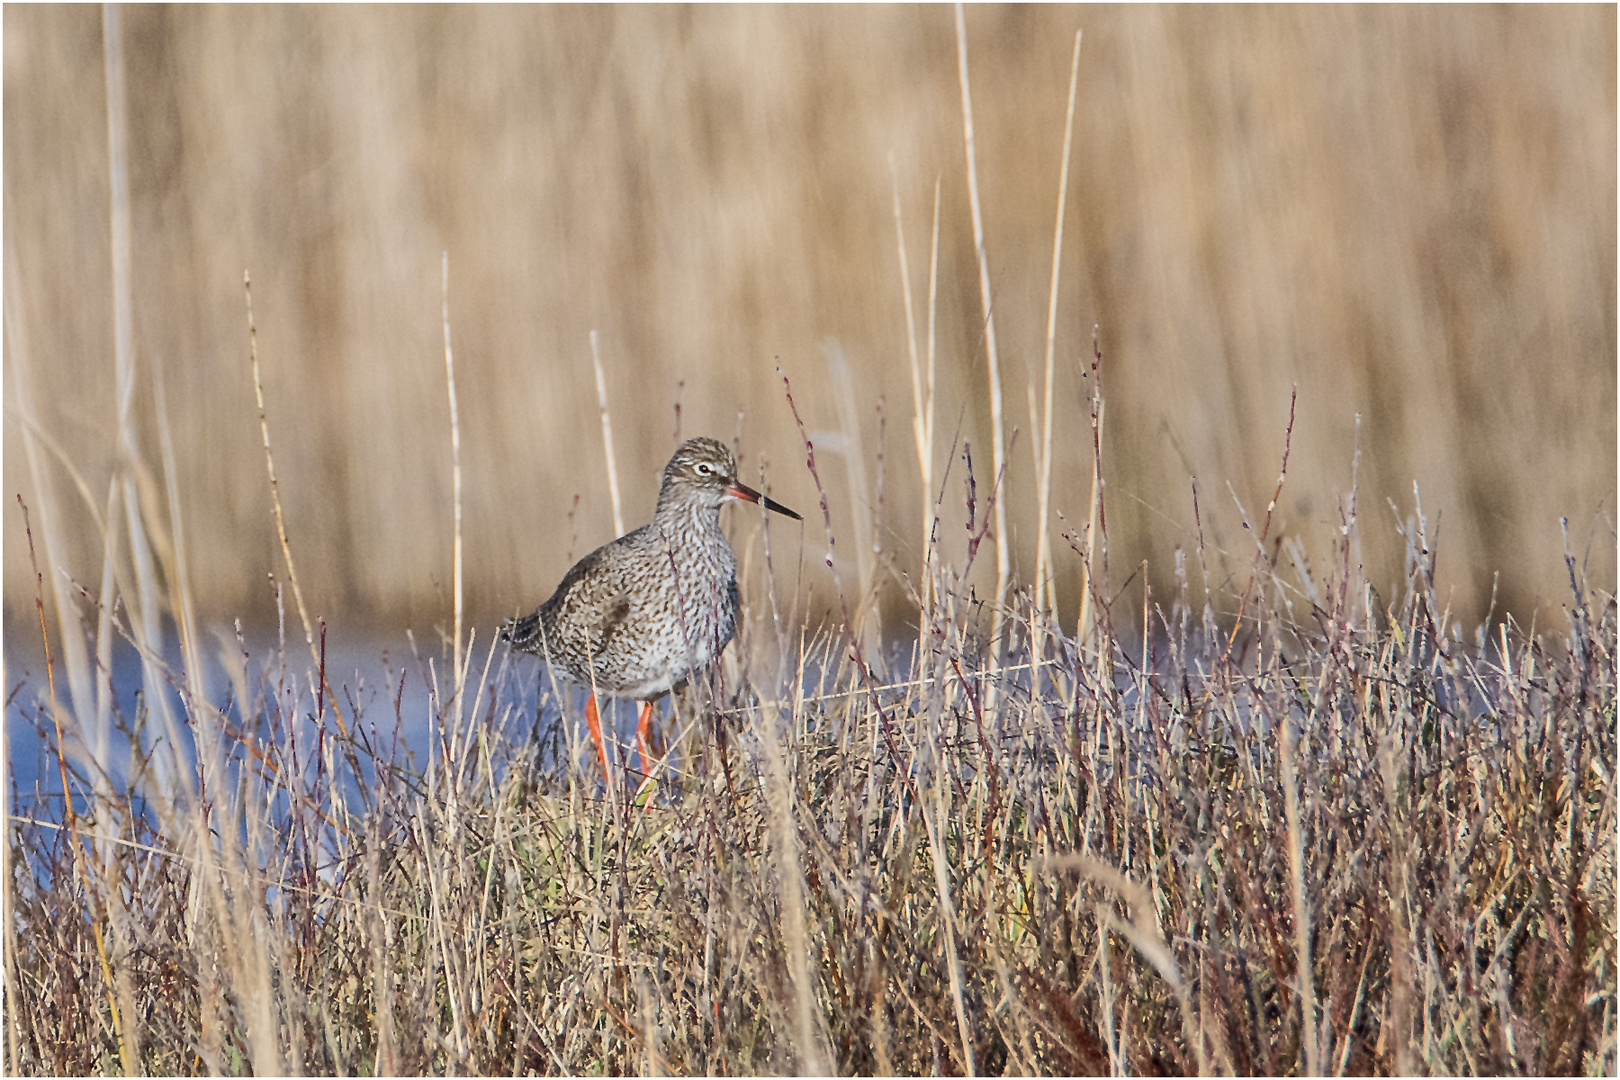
<point x="144" y="619"/>
<point x="275" y="491"/>
<point x="810" y="1052"/>
<point x="1310" y="1059"/>
<point x="75" y="659"/>
<point x="1096" y="538"/>
<point x="1044" y="588"/>
<point x="110" y="983"/>
<point x="998" y="439"/>
<point x="455" y="469"/>
<point x="928" y="420"/>
<point x="947" y="917"/>
<point x="607" y="439"/>
<point x="847" y="443"/>
<point x="922" y="391"/>
<point x="181" y="603"/>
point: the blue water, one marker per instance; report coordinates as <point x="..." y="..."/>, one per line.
<point x="381" y="687"/>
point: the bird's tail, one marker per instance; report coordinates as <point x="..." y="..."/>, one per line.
<point x="523" y="633"/>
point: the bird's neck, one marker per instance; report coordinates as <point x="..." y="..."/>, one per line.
<point x="686" y="519"/>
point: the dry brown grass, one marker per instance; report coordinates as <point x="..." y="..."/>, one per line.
<point x="1108" y="870"/>
<point x="1408" y="212"/>
<point x="1262" y="806"/>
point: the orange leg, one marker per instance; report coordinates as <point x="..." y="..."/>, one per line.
<point x="594" y="721"/>
<point x="642" y="727"/>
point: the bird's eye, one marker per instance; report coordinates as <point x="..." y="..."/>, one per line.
<point x="704" y="468"/>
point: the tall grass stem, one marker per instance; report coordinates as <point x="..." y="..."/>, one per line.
<point x="455" y="470"/>
<point x="1045" y="589"/>
<point x="998" y="440"/>
<point x="607" y="438"/>
<point x="275" y="496"/>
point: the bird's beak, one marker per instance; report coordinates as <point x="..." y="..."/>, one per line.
<point x="748" y="494"/>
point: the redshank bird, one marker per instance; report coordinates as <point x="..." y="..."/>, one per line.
<point x="639" y="616"/>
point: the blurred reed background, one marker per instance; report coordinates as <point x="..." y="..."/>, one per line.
<point x="1408" y="211"/>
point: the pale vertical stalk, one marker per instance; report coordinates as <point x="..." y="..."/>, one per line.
<point x="118" y="177"/>
<point x="928" y="424"/>
<point x="455" y="472"/>
<point x="204" y="719"/>
<point x="1082" y="626"/>
<point x="1355" y="1010"/>
<point x="921" y="410"/>
<point x="942" y="881"/>
<point x="649" y="1027"/>
<point x="1302" y="912"/>
<point x="1143" y="931"/>
<point x="1034" y="429"/>
<point x="453" y="971"/>
<point x="928" y="508"/>
<point x="1037" y="607"/>
<point x="270" y="469"/>
<point x="1113" y="1038"/>
<point x="1399" y="1007"/>
<point x="1043" y="548"/>
<point x="180" y="577"/>
<point x="75" y="655"/>
<point x="1035" y="460"/>
<point x="142" y="622"/>
<point x="997" y="439"/>
<point x="101" y="748"/>
<point x="253" y="944"/>
<point x="146" y="625"/>
<point x="809" y="1037"/>
<point x="848" y="443"/>
<point x="70" y="632"/>
<point x="275" y="502"/>
<point x="607" y="438"/>
<point x="471" y="736"/>
<point x="382" y="984"/>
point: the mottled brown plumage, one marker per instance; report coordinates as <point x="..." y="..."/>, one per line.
<point x="638" y="616"/>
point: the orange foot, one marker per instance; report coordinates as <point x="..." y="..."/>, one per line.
<point x="593" y="721"/>
<point x="642" y="727"/>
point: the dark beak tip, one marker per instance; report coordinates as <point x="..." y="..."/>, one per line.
<point x="743" y="491"/>
<point x="771" y="504"/>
